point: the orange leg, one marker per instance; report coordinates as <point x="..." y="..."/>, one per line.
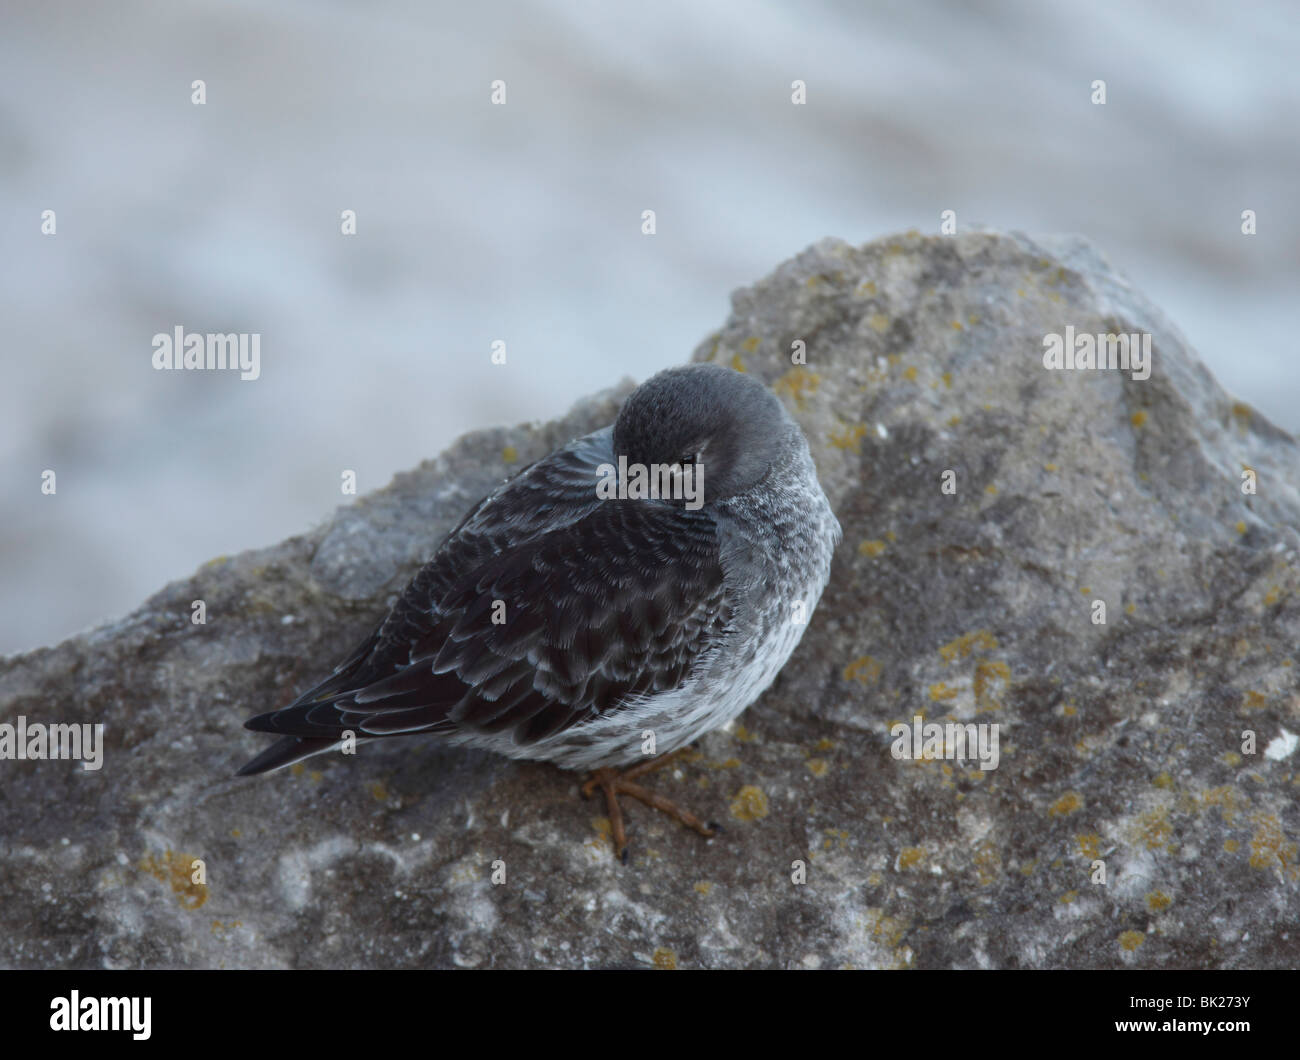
<point x="614" y="784"/>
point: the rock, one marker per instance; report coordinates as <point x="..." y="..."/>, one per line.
<point x="1120" y="743"/>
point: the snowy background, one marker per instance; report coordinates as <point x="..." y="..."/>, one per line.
<point x="478" y="222"/>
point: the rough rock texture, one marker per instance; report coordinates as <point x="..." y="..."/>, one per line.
<point x="1120" y="742"/>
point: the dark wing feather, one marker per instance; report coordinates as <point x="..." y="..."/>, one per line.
<point x="603" y="600"/>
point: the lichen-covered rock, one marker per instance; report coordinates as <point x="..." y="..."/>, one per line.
<point x="1121" y="743"/>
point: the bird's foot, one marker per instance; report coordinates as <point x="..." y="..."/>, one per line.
<point x="614" y="784"/>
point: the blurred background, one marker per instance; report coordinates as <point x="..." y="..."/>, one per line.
<point x="522" y="222"/>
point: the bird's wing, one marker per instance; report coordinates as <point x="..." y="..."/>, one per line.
<point x="546" y="607"/>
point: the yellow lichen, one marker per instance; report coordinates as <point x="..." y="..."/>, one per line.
<point x="992" y="678"/>
<point x="849" y="438"/>
<point x="798" y="383"/>
<point x="882" y="926"/>
<point x="1153" y="828"/>
<point x="1253" y="700"/>
<point x="1226" y="799"/>
<point x="177" y="871"/>
<point x="864" y="669"/>
<point x="750" y="804"/>
<point x="1269" y="846"/>
<point x="988" y="863"/>
<point x="1131" y="940"/>
<point x="1067" y="804"/>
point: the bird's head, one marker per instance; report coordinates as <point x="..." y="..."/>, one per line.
<point x="704" y="414"/>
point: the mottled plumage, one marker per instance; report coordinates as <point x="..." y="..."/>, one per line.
<point x="619" y="615"/>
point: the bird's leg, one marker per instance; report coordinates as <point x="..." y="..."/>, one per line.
<point x="614" y="784"/>
<point x="606" y="780"/>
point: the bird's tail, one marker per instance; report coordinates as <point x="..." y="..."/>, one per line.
<point x="286" y="752"/>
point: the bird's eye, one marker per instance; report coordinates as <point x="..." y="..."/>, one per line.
<point x="688" y="458"/>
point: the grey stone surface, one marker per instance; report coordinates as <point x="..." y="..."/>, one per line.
<point x="1120" y="742"/>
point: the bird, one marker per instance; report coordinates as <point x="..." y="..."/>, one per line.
<point x="578" y="618"/>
